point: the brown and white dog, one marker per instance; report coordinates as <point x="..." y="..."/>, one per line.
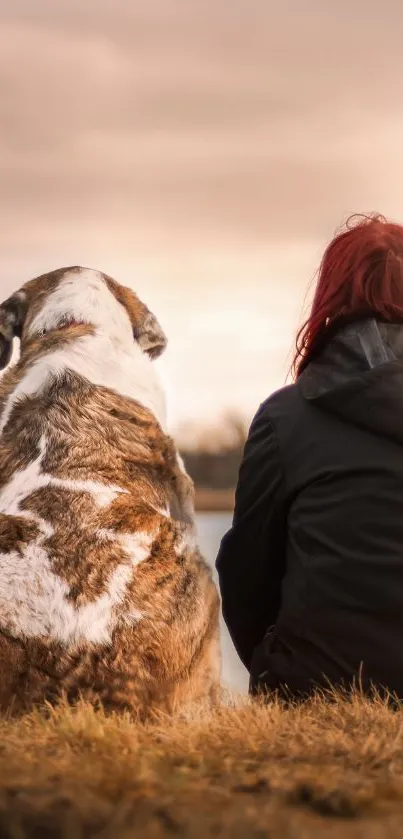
<point x="103" y="593"/>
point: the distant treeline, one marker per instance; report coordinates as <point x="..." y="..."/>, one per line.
<point x="216" y="466"/>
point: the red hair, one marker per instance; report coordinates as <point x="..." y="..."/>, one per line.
<point x="361" y="274"/>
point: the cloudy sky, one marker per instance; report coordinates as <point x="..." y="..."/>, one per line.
<point x="203" y="152"/>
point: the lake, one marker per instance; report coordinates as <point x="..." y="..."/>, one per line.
<point x="211" y="528"/>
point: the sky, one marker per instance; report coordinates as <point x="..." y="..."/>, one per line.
<point x="202" y="152"/>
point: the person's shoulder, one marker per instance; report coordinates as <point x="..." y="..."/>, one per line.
<point x="281" y="413"/>
<point x="281" y="400"/>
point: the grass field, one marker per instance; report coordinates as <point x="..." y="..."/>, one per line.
<point x="319" y="770"/>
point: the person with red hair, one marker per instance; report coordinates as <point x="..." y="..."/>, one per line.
<point x="311" y="571"/>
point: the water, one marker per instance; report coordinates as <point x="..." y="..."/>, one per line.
<point x="211" y="528"/>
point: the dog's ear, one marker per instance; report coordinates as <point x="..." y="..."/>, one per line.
<point x="150" y="335"/>
<point x="12" y="317"/>
<point x="146" y="330"/>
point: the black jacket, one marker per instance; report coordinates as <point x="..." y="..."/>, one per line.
<point x="311" y="572"/>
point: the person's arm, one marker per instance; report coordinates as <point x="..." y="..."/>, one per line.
<point x="251" y="560"/>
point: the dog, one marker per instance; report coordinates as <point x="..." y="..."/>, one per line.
<point x="104" y="595"/>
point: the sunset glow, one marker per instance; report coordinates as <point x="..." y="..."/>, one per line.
<point x="201" y="154"/>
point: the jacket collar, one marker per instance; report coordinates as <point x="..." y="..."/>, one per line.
<point x="354" y="350"/>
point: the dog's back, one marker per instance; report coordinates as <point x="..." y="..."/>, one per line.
<point x="103" y="593"/>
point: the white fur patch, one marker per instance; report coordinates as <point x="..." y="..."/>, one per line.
<point x="84" y="296"/>
<point x="34" y="604"/>
<point x="95" y="358"/>
<point x="33" y="599"/>
<point x="25" y="481"/>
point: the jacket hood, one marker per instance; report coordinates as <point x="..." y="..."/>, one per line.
<point x="359" y="376"/>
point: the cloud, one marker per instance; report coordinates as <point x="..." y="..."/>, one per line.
<point x="190" y="147"/>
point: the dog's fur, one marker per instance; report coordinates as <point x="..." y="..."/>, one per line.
<point x="103" y="593"/>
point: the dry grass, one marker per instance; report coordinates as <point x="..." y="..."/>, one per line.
<point x="323" y="769"/>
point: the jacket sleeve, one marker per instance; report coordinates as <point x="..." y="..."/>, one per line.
<point x="251" y="559"/>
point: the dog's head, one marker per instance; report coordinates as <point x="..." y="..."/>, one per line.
<point x="76" y="295"/>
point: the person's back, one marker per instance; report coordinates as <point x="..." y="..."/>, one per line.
<point x="311" y="572"/>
